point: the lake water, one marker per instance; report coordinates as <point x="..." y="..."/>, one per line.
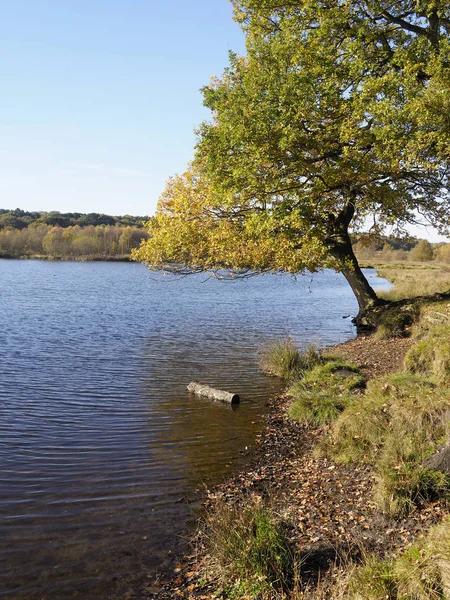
<point x="102" y="451"/>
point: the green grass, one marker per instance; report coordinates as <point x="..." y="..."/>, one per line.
<point x="249" y="554"/>
<point x="432" y="314"/>
<point x="324" y="392"/>
<point x="281" y="358"/>
<point x="430" y="357"/>
<point x="395" y="426"/>
<point x="374" y="580"/>
<point x="421" y="572"/>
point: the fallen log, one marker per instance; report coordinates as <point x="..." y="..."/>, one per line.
<point x="205" y="390"/>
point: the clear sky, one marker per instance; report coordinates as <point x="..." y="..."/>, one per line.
<point x="100" y="98"/>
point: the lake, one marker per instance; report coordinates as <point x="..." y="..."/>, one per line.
<point x="103" y="453"/>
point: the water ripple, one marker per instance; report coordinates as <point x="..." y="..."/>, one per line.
<point x="101" y="447"/>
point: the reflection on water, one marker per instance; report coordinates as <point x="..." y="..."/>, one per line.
<point x="101" y="447"/>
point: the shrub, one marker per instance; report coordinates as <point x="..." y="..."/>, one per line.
<point x="324" y="392"/>
<point x="422" y="252"/>
<point x="281" y="358"/>
<point x="249" y="551"/>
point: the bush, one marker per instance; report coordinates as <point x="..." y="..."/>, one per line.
<point x="423" y="252"/>
<point x="324" y="392"/>
<point x="281" y="358"/>
<point x="249" y="551"/>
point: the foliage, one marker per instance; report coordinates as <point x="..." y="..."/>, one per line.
<point x="323" y="393"/>
<point x="430" y="357"/>
<point x="423" y="252"/>
<point x="395" y="426"/>
<point x="281" y="358"/>
<point x="38" y="239"/>
<point x="338" y="112"/>
<point x="248" y="548"/>
<point x="443" y="253"/>
<point x="19" y="219"/>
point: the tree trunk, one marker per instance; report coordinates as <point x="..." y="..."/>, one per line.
<point x="351" y="270"/>
<point x="340" y="246"/>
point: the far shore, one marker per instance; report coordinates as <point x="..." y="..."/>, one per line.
<point x="68" y="258"/>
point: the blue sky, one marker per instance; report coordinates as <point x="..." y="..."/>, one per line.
<point x="100" y="98"/>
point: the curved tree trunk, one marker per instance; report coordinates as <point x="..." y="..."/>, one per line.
<point x="340" y="245"/>
<point x="351" y="270"/>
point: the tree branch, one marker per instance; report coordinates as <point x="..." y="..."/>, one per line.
<point x="405" y="24"/>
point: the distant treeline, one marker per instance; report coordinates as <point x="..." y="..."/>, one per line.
<point x="72" y="236"/>
<point x="19" y="219"/>
<point x="392" y="249"/>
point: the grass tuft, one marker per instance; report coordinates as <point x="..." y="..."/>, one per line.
<point x="281" y="358"/>
<point x="430" y="357"/>
<point x="249" y="551"/>
<point x="395" y="426"/>
<point x="421" y="572"/>
<point x="324" y="392"/>
<point x="374" y="580"/>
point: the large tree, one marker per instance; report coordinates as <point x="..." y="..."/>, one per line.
<point x="336" y="119"/>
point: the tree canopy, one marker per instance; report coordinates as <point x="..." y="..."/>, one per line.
<point x="337" y="118"/>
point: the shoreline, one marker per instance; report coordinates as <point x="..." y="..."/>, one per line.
<point x="329" y="504"/>
<point x="48" y="258"/>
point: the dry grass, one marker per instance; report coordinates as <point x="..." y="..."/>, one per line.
<point x="395" y="426"/>
<point x="430" y="357"/>
<point x="413" y="281"/>
<point x="249" y="555"/>
<point x="422" y="572"/>
<point x="432" y="314"/>
<point x="282" y="358"/>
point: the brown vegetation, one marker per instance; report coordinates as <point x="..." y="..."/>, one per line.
<point x="74" y="242"/>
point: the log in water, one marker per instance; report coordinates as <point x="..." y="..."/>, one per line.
<point x="205" y="390"/>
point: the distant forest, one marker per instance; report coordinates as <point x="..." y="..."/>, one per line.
<point x="94" y="236"/>
<point x="72" y="236"/>
<point x="381" y="249"/>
